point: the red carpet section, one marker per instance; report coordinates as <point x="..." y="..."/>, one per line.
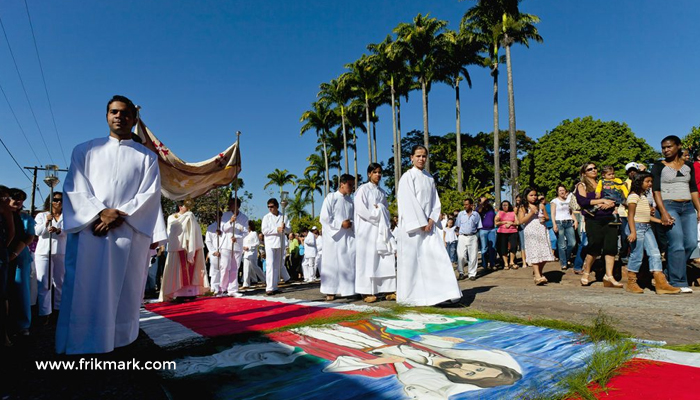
<point x="227" y="315"/>
<point x="654" y="380"/>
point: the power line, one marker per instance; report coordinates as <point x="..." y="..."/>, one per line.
<point x="15" y="160"/>
<point x="26" y="95"/>
<point x="20" y="125"/>
<point x="46" y="90"/>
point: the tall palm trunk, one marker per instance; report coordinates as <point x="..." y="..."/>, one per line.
<point x="345" y="137"/>
<point x="369" y="134"/>
<point x="327" y="183"/>
<point x="374" y="141"/>
<point x="313" y="212"/>
<point x="426" y="135"/>
<point x="496" y="148"/>
<point x="459" y="137"/>
<point x="514" y="187"/>
<point x="397" y="152"/>
<point x="354" y="152"/>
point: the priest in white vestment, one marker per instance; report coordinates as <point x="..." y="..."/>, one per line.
<point x="374" y="260"/>
<point x="185" y="274"/>
<point x="424" y="271"/>
<point x="236" y="225"/>
<point x="338" y="270"/>
<point x="112" y="203"/>
<point x="219" y="244"/>
<point x="251" y="272"/>
<point x="274" y="226"/>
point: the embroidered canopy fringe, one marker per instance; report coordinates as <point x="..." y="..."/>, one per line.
<point x="179" y="179"/>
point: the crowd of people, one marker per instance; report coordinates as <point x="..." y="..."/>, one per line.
<point x="112" y="238"/>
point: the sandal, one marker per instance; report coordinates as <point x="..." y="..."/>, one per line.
<point x="506" y="267"/>
<point x="584" y="279"/>
<point x="540" y="281"/>
<point x="609" y="281"/>
<point x="513" y="266"/>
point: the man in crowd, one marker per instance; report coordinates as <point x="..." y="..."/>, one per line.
<point x="468" y="223"/>
<point x="337" y="212"/>
<point x="236" y="227"/>
<point x="112" y="204"/>
<point x="274" y="227"/>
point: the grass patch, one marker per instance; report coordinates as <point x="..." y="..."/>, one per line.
<point x="690" y="348"/>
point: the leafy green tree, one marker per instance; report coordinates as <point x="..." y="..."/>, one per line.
<point x="321" y="119"/>
<point x="419" y="42"/>
<point x="363" y="79"/>
<point x="280" y="178"/>
<point x="558" y="155"/>
<point x="305" y="221"/>
<point x="691" y="141"/>
<point x="337" y="92"/>
<point x="296" y="207"/>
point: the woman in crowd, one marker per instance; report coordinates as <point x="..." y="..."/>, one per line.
<point x="602" y="235"/>
<point x="564" y="225"/>
<point x="507" y="235"/>
<point x="7" y="234"/>
<point x="21" y="264"/>
<point x="487" y="234"/>
<point x="532" y="216"/>
<point x="678" y="206"/>
<point x="521" y="235"/>
<point x="424" y="275"/>
<point x="642" y="239"/>
<point x="52" y="243"/>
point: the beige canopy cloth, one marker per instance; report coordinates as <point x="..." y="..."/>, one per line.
<point x="179" y="179"/>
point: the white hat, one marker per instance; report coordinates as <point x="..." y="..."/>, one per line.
<point x="631" y="165"/>
<point x="313" y="228"/>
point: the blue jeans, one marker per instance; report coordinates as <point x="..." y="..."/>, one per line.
<point x="566" y="239"/>
<point x="552" y="239"/>
<point x="487" y="240"/>
<point x="580" y="254"/>
<point x="452" y="251"/>
<point x="646" y="242"/>
<point x="682" y="240"/>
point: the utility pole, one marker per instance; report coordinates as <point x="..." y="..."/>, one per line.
<point x="35" y="169"/>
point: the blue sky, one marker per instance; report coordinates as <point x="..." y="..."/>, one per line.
<point x="203" y="70"/>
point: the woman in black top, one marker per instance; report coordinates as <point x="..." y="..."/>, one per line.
<point x="678" y="206"/>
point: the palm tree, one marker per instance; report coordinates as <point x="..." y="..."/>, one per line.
<point x="280" y="178"/>
<point x="419" y="43"/>
<point x="322" y="119"/>
<point x="355" y="120"/>
<point x="458" y="51"/>
<point x="296" y="206"/>
<point x="363" y="80"/>
<point x="318" y="165"/>
<point x="517" y="28"/>
<point x="479" y="24"/>
<point x="337" y="92"/>
<point x="308" y="186"/>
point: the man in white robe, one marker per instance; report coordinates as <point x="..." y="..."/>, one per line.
<point x="251" y="272"/>
<point x="338" y="271"/>
<point x="274" y="226"/>
<point x="219" y="244"/>
<point x="185" y="274"/>
<point x="112" y="198"/>
<point x="236" y="225"/>
<point x="424" y="271"/>
<point x="375" y="263"/>
<point x="310" y="254"/>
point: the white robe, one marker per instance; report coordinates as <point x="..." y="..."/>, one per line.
<point x="185" y="273"/>
<point x="57" y="247"/>
<point x="250" y="259"/>
<point x="375" y="273"/>
<point x="424" y="272"/>
<point x="220" y="243"/>
<point x="274" y="248"/>
<point x="237" y="230"/>
<point x="105" y="275"/>
<point x="338" y="270"/>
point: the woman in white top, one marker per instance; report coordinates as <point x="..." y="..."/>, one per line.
<point x="52" y="240"/>
<point x="450" y="238"/>
<point x="564" y="224"/>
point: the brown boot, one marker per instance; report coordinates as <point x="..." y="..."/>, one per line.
<point x="662" y="286"/>
<point x="632" y="285"/>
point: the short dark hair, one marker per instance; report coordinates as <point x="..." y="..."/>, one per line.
<point x="274" y="202"/>
<point x="345" y="178"/>
<point x="18" y="194"/>
<point x="416" y="147"/>
<point x="236" y="200"/>
<point x="672" y="138"/>
<point x="5" y="190"/>
<point x="374" y="166"/>
<point x="469" y="200"/>
<point x="123" y="99"/>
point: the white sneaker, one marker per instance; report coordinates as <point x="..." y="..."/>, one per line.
<point x="686" y="290"/>
<point x="235" y="294"/>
